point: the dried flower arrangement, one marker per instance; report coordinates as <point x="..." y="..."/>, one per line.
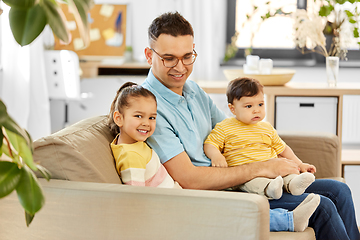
<point x="308" y="33"/>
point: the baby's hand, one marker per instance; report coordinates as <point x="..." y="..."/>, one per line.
<point x="305" y="167"/>
<point x="219" y="162"/>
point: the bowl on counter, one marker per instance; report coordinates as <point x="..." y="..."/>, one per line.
<point x="278" y="76"/>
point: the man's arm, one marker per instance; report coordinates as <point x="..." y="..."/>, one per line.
<point x="213" y="178"/>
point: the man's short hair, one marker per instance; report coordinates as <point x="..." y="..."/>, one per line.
<point x="170" y="23"/>
<point x="243" y="87"/>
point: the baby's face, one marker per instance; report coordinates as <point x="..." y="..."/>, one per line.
<point x="249" y="110"/>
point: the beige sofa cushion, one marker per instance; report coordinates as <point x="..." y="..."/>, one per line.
<point x="319" y="149"/>
<point x="80" y="152"/>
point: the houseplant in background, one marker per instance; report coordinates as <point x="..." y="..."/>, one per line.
<point x="27" y="20"/>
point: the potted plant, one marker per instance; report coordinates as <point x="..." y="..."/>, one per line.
<point x="27" y="20"/>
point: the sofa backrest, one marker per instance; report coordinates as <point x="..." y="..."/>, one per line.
<point x="80" y="152"/>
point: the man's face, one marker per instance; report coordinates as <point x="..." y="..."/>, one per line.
<point x="168" y="46"/>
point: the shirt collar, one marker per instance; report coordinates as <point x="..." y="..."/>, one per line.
<point x="173" y="98"/>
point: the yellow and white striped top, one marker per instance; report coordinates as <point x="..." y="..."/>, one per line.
<point x="242" y="143"/>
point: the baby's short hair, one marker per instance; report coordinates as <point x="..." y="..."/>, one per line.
<point x="243" y="87"/>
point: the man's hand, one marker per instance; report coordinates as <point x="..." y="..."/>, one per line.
<point x="279" y="166"/>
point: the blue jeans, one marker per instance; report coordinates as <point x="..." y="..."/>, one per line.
<point x="281" y="220"/>
<point x="335" y="216"/>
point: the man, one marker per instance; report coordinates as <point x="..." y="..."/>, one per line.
<point x="186" y="115"/>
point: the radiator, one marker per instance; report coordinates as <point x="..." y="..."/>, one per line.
<point x="351" y="120"/>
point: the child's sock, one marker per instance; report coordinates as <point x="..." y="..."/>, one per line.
<point x="303" y="212"/>
<point x="274" y="189"/>
<point x="300" y="183"/>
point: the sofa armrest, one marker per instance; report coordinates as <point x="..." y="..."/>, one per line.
<point x="319" y="149"/>
<point x="83" y="210"/>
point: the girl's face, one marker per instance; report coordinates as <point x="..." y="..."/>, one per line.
<point x="137" y="122"/>
<point x="249" y="110"/>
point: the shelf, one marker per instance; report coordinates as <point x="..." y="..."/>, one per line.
<point x="92" y="69"/>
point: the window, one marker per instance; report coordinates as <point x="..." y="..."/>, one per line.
<point x="272" y="38"/>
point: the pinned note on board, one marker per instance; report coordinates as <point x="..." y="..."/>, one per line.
<point x="107" y="10"/>
<point x="95" y="34"/>
<point x="107" y="32"/>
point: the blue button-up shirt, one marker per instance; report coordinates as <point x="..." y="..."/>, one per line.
<point x="183" y="122"/>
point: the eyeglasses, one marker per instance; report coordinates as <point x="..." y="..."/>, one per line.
<point x="172" y="61"/>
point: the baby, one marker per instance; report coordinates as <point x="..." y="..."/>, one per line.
<point x="246" y="138"/>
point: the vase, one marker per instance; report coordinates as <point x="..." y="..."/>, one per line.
<point x="332" y="70"/>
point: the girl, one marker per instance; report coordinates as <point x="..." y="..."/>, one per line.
<point x="132" y="119"/>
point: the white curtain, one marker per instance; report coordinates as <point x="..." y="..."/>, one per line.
<point x="208" y="18"/>
<point x="24" y="89"/>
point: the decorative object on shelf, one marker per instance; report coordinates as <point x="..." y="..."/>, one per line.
<point x="332" y="70"/>
<point x="278" y="76"/>
<point x="255" y="65"/>
<point x="27" y="20"/>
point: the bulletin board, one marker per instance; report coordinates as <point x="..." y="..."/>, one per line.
<point x="107" y="32"/>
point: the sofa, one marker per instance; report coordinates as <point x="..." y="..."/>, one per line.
<point x="85" y="198"/>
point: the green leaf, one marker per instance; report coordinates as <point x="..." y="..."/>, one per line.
<point x="56" y="20"/>
<point x="44" y="172"/>
<point x="21" y="146"/>
<point x="356" y="32"/>
<point x="278" y="11"/>
<point x="29" y="192"/>
<point x="10" y="175"/>
<point x="325" y="10"/>
<point x="348" y="13"/>
<point x="8" y="123"/>
<point x="352" y="21"/>
<point x="3" y="112"/>
<point x="341" y="1"/>
<point x="5" y="150"/>
<point x="27" y="24"/>
<point x="29" y="217"/>
<point x="24" y="4"/>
